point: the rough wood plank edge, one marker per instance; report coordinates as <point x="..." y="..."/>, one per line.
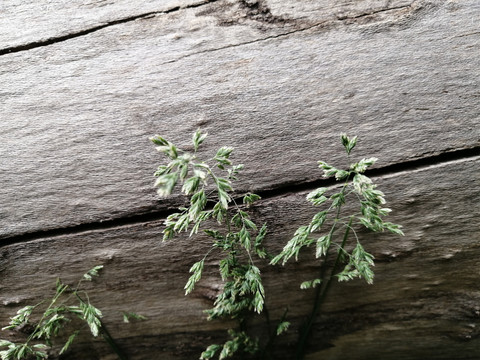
<point x="281" y="101"/>
<point x="423" y="288"/>
<point x="57" y="22"/>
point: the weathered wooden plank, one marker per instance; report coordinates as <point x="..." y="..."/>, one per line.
<point x="76" y="115"/>
<point x="32" y="22"/>
<point x="425" y="292"/>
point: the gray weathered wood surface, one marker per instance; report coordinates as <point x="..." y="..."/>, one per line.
<point x="425" y="298"/>
<point x="83" y="84"/>
<point x="76" y="115"/>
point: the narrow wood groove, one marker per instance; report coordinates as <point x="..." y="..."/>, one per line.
<point x="326" y="24"/>
<point x="59" y="39"/>
<point x="245" y="43"/>
<point x="284" y="189"/>
<point x="389" y="170"/>
<point x="374" y="12"/>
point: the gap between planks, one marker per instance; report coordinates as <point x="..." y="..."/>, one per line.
<point x="283" y="189"/>
<point x="59" y="39"/>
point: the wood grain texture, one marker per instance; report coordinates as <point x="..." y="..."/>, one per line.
<point x="424" y="303"/>
<point x="30" y="23"/>
<point x="276" y="80"/>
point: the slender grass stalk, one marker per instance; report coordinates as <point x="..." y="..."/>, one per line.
<point x="320" y="296"/>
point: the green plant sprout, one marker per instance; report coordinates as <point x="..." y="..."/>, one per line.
<point x="240" y="239"/>
<point x="68" y="303"/>
<point x="357" y="262"/>
<point x="236" y="236"/>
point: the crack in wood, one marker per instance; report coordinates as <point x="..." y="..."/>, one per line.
<point x="59" y="39"/>
<point x="370" y="13"/>
<point x="258" y="11"/>
<point x="229" y="46"/>
<point x="149" y="215"/>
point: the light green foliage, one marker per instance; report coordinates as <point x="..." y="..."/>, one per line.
<point x="235" y="236"/>
<point x="67" y="304"/>
<point x="282" y="327"/>
<point x="127" y="316"/>
<point x="239" y="238"/>
<point x="361" y="190"/>
<point x="357" y="189"/>
<point x="239" y="340"/>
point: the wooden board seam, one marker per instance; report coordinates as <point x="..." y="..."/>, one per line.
<point x="55" y="40"/>
<point x="152" y="215"/>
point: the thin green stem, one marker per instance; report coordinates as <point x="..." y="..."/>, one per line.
<point x="39" y="324"/>
<point x="321" y="292"/>
<point x="103" y="330"/>
<point x="111" y="342"/>
<point x="272" y="335"/>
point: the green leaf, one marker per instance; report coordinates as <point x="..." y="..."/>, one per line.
<point x="341" y="174"/>
<point x="214" y="234"/>
<point x="197" y="205"/>
<point x="229" y="348"/>
<point x="131" y="315"/>
<point x="371" y="223"/>
<point x="363" y="164"/>
<point x="223" y="198"/>
<point x="249" y="223"/>
<point x="347" y="274"/>
<point x="165" y="146"/>
<point x="69" y="342"/>
<point x="323" y="244"/>
<point x="219" y="212"/>
<point x="394" y="228"/>
<point x="318" y="220"/>
<point x="310" y="284"/>
<point x="210" y="352"/>
<point x="182" y="223"/>
<point x="250" y="199"/>
<point x="21" y="318"/>
<point x="294" y="245"/>
<point x="92" y="272"/>
<point x="23" y="351"/>
<point x="6" y="343"/>
<point x="224" y="266"/>
<point x="261" y="235"/>
<point x="316" y="197"/>
<point x="245" y="237"/>
<point x="360" y="183"/>
<point x="327" y="169"/>
<point x="360" y="265"/>
<point x="191" y="185"/>
<point x="74" y="310"/>
<point x="200" y="218"/>
<point x="338" y="199"/>
<point x="198" y="138"/>
<point x="158" y="140"/>
<point x="92" y="316"/>
<point x="234" y="171"/>
<point x="166" y="183"/>
<point x="196" y="271"/>
<point x="348" y="143"/>
<point x="282" y="327"/>
<point x="222" y="156"/>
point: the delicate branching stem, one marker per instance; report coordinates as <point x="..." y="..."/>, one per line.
<point x="321" y="291"/>
<point x="112" y="343"/>
<point x="103" y="330"/>
<point x="61" y="309"/>
<point x="234" y="236"/>
<point x="243" y="291"/>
